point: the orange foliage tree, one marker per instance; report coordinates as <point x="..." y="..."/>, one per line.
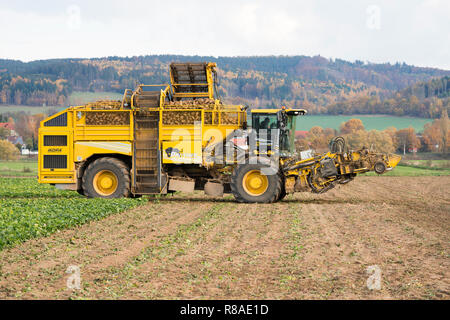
<point x="351" y="126"/>
<point x="28" y="125"/>
<point x="407" y="139"/>
<point x="436" y="135"/>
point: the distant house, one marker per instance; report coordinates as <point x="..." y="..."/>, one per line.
<point x="15" y="140"/>
<point x="10" y="127"/>
<point x="27" y="152"/>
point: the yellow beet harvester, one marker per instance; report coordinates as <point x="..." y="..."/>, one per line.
<point x="180" y="137"/>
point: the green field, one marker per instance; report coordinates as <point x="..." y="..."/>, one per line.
<point x="411" y="171"/>
<point x="19" y="168"/>
<point x="28" y="109"/>
<point x="29" y="209"/>
<point x="80" y="98"/>
<point x="428" y="164"/>
<point x="370" y="122"/>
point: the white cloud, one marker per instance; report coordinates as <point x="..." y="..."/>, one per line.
<point x="412" y="31"/>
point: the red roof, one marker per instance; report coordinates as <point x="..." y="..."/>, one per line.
<point x="299" y="134"/>
<point x="7" y="125"/>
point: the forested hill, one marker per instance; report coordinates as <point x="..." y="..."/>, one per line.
<point x="423" y="99"/>
<point x="315" y="83"/>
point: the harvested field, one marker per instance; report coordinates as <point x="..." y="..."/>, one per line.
<point x="307" y="246"/>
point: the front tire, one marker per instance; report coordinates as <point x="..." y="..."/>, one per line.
<point x="249" y="184"/>
<point x="106" y="178"/>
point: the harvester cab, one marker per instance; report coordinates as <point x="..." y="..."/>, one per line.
<point x="276" y="126"/>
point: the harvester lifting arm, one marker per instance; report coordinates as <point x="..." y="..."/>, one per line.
<point x="321" y="173"/>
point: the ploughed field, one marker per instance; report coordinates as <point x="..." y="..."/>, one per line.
<point x="195" y="247"/>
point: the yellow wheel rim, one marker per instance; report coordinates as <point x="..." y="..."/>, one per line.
<point x="255" y="183"/>
<point x="105" y="183"/>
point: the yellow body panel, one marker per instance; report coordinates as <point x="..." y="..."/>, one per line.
<point x="85" y="149"/>
<point x="84" y="139"/>
<point x="87" y="137"/>
<point x="212" y="126"/>
<point x="56" y="175"/>
<point x="87" y="131"/>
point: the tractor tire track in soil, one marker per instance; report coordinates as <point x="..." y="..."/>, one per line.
<point x="306" y="246"/>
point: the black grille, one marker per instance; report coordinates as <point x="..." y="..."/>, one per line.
<point x="55" y="141"/>
<point x="55" y="162"/>
<point x="59" y="121"/>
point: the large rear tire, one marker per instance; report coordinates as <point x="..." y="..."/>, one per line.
<point x="249" y="184"/>
<point x="283" y="193"/>
<point x="106" y="178"/>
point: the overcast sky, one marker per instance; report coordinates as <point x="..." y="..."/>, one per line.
<point x="413" y="31"/>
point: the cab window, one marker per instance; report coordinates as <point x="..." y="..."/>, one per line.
<point x="265" y="121"/>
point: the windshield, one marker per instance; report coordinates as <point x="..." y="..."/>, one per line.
<point x="264" y="121"/>
<point x="287" y="123"/>
<point x="289" y="140"/>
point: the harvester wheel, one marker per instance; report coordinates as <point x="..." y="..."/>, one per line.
<point x="81" y="191"/>
<point x="249" y="184"/>
<point x="106" y="178"/>
<point x="379" y="167"/>
<point x="283" y="189"/>
<point x="282" y="195"/>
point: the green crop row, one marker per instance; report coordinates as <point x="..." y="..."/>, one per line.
<point x="29" y="210"/>
<point x="408" y="171"/>
<point x="29" y="188"/>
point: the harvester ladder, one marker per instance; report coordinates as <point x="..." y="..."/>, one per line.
<point x="146" y="157"/>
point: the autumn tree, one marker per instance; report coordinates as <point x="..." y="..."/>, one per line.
<point x="8" y="151"/>
<point x="4" y="132"/>
<point x="318" y="138"/>
<point x="444" y="129"/>
<point x="28" y="125"/>
<point x="407" y="138"/>
<point x="380" y="141"/>
<point x="432" y="136"/>
<point x="357" y="139"/>
<point x="436" y="135"/>
<point x="392" y="132"/>
<point x="351" y="126"/>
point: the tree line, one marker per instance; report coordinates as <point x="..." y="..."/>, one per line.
<point x="424" y="99"/>
<point x="321" y="85"/>
<point x="435" y="137"/>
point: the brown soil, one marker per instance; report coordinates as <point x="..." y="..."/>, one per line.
<point x="305" y="247"/>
